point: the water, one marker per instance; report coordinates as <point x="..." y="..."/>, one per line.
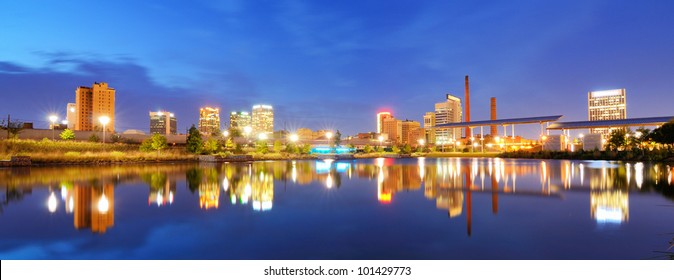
<point x="361" y="209"/>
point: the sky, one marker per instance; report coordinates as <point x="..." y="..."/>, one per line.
<point x="335" y="64"/>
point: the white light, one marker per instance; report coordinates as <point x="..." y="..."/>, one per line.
<point x="381" y="138"/>
<point x="247" y="130"/>
<point x="104" y="120"/>
<point x="294" y="137"/>
<point x="421" y="142"/>
<point x="581" y="135"/>
<point x="603" y="93"/>
<point x="225" y="133"/>
<point x="262" y="136"/>
<point x="52" y="203"/>
<point x="72" y="109"/>
<point x="160" y="113"/>
<point x="328" y="135"/>
<point x="172" y="115"/>
<point x="225" y="184"/>
<point x="103" y="204"/>
<point x="64" y="121"/>
<point x="53" y="118"/>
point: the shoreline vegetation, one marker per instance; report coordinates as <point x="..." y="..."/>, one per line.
<point x="47" y="152"/>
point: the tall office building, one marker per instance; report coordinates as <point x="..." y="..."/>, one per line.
<point x="209" y="120"/>
<point x="91" y="104"/>
<point x="381" y="116"/>
<point x="239" y="120"/>
<point x="447" y="112"/>
<point x="71" y="115"/>
<point x="606" y="105"/>
<point x="163" y="123"/>
<point x="393" y="128"/>
<point x="408" y="129"/>
<point x="263" y="119"/>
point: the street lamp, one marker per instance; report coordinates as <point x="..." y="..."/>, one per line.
<point x="246" y="131"/>
<point x="53" y="119"/>
<point x="381" y="140"/>
<point x="294" y="137"/>
<point x="328" y="135"/>
<point x="104" y="121"/>
<point x="225" y="133"/>
<point x="421" y="142"/>
<point x="262" y="136"/>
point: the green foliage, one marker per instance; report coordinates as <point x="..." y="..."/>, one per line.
<point x="94" y="138"/>
<point x="211" y="146"/>
<point x="238" y="149"/>
<point x="368" y="149"/>
<point x="194" y="142"/>
<point x="234" y="132"/>
<point x="306" y="149"/>
<point x="159" y="142"/>
<point x="67" y="135"/>
<point x="229" y="144"/>
<point x="406" y="149"/>
<point x="261" y="147"/>
<point x="338" y="139"/>
<point x="292" y="148"/>
<point x="278" y="146"/>
<point x="664" y="134"/>
<point x="146" y="146"/>
<point x="395" y="149"/>
<point x="616" y="140"/>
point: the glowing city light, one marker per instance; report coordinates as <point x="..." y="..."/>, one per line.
<point x="103" y="204"/>
<point x="262" y="136"/>
<point x="52" y="203"/>
<point x="294" y="137"/>
<point x="328" y="135"/>
<point x="225" y="133"/>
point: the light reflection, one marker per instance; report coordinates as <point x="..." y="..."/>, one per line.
<point x="52" y="203"/>
<point x="639" y="174"/>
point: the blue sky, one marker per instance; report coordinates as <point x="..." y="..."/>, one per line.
<point x="334" y="64"/>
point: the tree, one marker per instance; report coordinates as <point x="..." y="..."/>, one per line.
<point x="261" y="146"/>
<point x="338" y="139"/>
<point x="406" y="149"/>
<point x="292" y="148"/>
<point x="67" y="134"/>
<point x="234" y="132"/>
<point x="94" y="138"/>
<point x="159" y="142"/>
<point x="278" y="146"/>
<point x="395" y="149"/>
<point x="306" y="149"/>
<point x="664" y="134"/>
<point x="194" y="141"/>
<point x="12" y="127"/>
<point x="616" y="140"/>
<point x="156" y="142"/>
<point x="211" y="146"/>
<point x="367" y="149"/>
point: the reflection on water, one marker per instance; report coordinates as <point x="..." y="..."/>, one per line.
<point x="88" y="193"/>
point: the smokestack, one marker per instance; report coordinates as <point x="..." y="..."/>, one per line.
<point x="467" y="108"/>
<point x="493" y="131"/>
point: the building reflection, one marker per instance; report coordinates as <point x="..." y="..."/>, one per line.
<point x="162" y="188"/>
<point x="93" y="205"/>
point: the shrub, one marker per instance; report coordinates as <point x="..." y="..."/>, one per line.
<point x="94" y="138"/>
<point x="67" y="135"/>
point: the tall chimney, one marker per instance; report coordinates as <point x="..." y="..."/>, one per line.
<point x="493" y="131"/>
<point x="467" y="109"/>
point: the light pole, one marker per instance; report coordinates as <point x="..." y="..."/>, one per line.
<point x="421" y="144"/>
<point x="104" y="121"/>
<point x="381" y="141"/>
<point x="53" y="119"/>
<point x="246" y="131"/>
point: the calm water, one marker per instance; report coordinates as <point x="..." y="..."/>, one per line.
<point x="361" y="209"/>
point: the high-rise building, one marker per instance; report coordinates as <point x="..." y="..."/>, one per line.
<point x="91" y="104"/>
<point x="71" y="115"/>
<point x="393" y="128"/>
<point x="239" y="120"/>
<point x="429" y="127"/>
<point x="447" y="112"/>
<point x="381" y="116"/>
<point x="209" y="120"/>
<point x="263" y="119"/>
<point x="407" y="130"/>
<point x="163" y="123"/>
<point x="606" y="105"/>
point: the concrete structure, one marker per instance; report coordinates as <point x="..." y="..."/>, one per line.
<point x="592" y="142"/>
<point x="239" y="120"/>
<point x="263" y="119"/>
<point x="408" y="129"/>
<point x="304" y="133"/>
<point x="209" y="120"/>
<point x="555" y="143"/>
<point x="493" y="131"/>
<point x="606" y="105"/>
<point x="71" y="115"/>
<point x="447" y="112"/>
<point x="91" y="104"/>
<point x="163" y="123"/>
<point x="381" y="116"/>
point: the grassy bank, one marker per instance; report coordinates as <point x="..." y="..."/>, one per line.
<point x="657" y="155"/>
<point x="71" y="152"/>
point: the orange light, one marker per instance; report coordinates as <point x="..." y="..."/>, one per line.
<point x="384" y="198"/>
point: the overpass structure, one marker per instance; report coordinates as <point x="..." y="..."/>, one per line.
<point x="502" y="122"/>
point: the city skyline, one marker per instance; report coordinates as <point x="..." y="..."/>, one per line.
<point x="333" y="66"/>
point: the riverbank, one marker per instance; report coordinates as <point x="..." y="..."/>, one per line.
<point x="657" y="155"/>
